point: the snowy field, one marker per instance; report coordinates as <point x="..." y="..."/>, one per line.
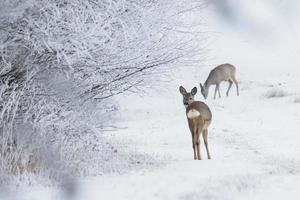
<point x="254" y="138"/>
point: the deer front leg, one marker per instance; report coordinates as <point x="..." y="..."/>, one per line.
<point x="218" y="87"/>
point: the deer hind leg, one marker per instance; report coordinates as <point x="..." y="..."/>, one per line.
<point x="198" y="149"/>
<point x="205" y="134"/>
<point x="194" y="144"/>
<point x="195" y="154"/>
<point x="230" y="84"/>
<point x="199" y="131"/>
<point x="218" y="87"/>
<point x="237" y="85"/>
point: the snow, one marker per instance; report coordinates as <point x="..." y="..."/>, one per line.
<point x="254" y="138"/>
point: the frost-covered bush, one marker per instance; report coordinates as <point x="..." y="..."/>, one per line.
<point x="61" y="62"/>
<point x="297" y="99"/>
<point x="276" y="93"/>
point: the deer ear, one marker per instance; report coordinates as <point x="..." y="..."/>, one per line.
<point x="182" y="90"/>
<point x="194" y="91"/>
<point x="201" y="86"/>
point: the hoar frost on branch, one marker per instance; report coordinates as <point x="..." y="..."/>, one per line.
<point x="61" y="62"/>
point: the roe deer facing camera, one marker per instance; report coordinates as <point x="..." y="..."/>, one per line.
<point x="199" y="118"/>
<point x="224" y="72"/>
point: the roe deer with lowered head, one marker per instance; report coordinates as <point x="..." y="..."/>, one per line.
<point x="224" y="72"/>
<point x="199" y="118"/>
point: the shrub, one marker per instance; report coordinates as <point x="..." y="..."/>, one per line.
<point x="276" y="93"/>
<point x="61" y="62"/>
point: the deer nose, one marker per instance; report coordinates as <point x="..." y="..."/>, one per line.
<point x="185" y="103"/>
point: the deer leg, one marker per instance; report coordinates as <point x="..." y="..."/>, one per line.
<point x="230" y="84"/>
<point x="237" y="85"/>
<point x="218" y="87"/>
<point x="198" y="143"/>
<point x="205" y="134"/>
<point x="194" y="148"/>
<point x="194" y="145"/>
<point x="198" y="149"/>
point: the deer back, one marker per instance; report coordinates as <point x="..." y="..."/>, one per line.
<point x="198" y="115"/>
<point x="222" y="72"/>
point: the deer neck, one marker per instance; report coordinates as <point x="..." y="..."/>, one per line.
<point x="207" y="84"/>
<point x="186" y="106"/>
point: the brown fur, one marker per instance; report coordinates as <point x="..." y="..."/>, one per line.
<point x="199" y="125"/>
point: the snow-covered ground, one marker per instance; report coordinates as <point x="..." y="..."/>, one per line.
<point x="254" y="138"/>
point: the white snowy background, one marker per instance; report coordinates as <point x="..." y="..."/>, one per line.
<point x="254" y="138"/>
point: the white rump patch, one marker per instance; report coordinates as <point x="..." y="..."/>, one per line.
<point x="193" y="113"/>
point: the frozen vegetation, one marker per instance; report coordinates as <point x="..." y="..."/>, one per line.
<point x="62" y="63"/>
